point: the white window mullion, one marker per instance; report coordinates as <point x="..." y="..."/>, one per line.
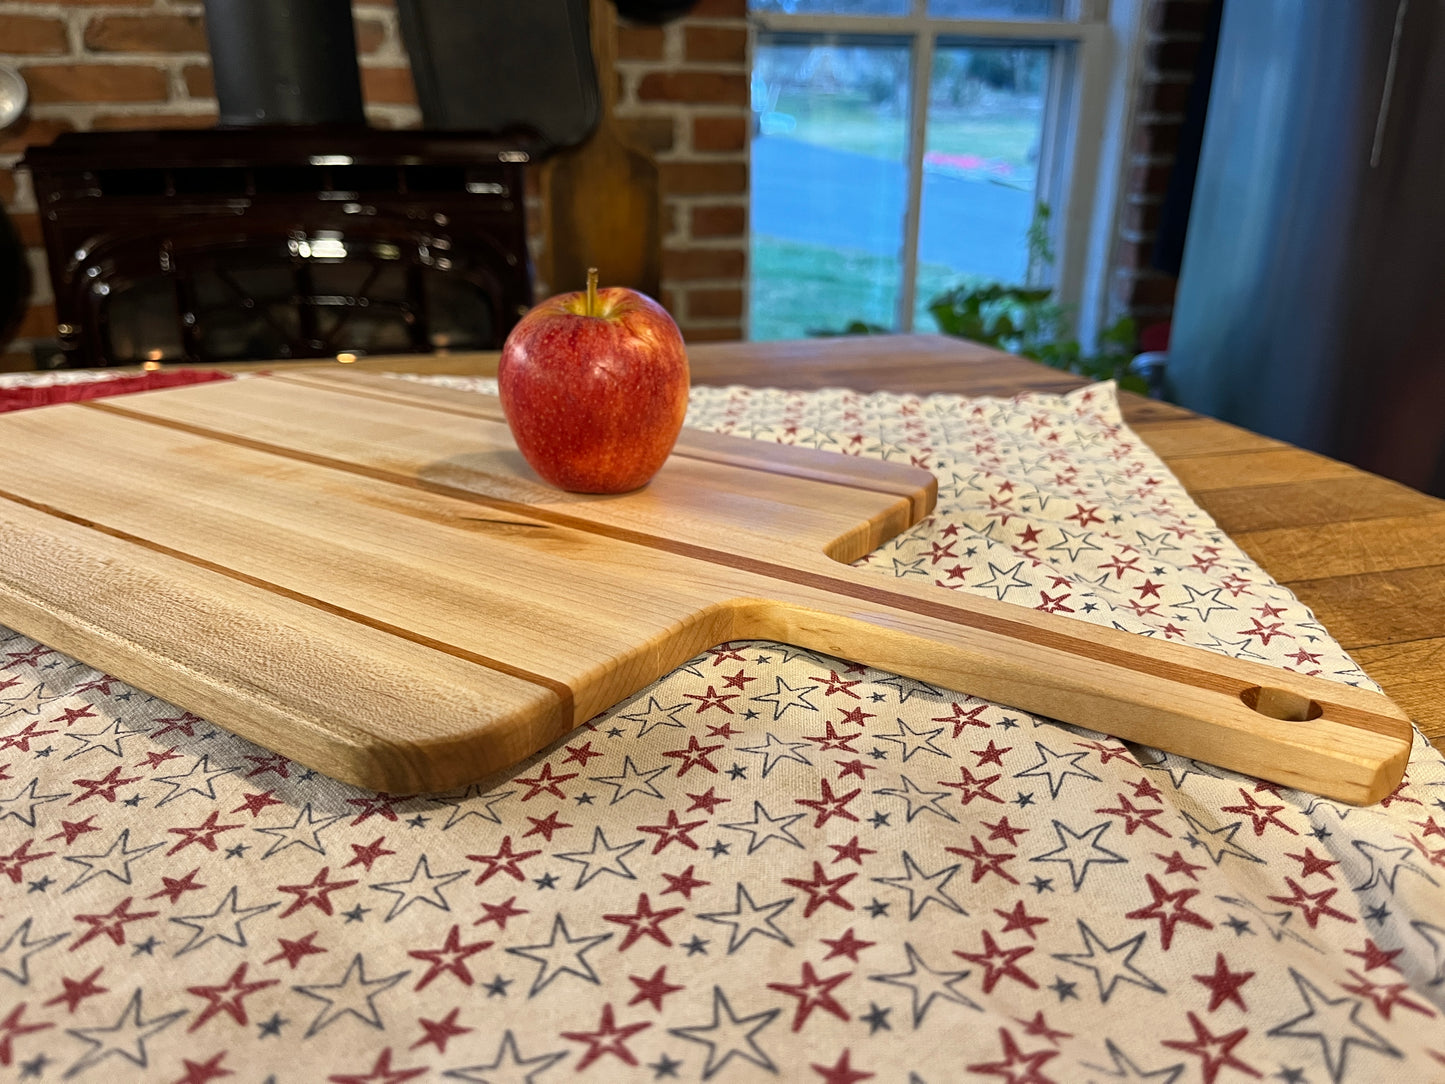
<point x="923" y="44"/>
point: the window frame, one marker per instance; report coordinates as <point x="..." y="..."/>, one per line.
<point x="1087" y="104"/>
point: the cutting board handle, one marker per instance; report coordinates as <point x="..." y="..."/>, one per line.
<point x="1307" y="733"/>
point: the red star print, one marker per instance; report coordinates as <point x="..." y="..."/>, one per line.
<point x="855" y="767"/>
<point x="1313" y="863"/>
<point x="1085" y="515"/>
<point x="500" y="912"/>
<point x="154" y="759"/>
<point x="962" y="719"/>
<point x="999" y="962"/>
<point x="972" y="787"/>
<point x="990" y="754"/>
<point x="652" y="990"/>
<point x="440" y="1032"/>
<point x="1261" y="815"/>
<point x="1108" y="752"/>
<point x="1374" y="956"/>
<point x="855" y="716"/>
<point x="228" y="997"/>
<point x="256" y="803"/>
<point x="1145" y="788"/>
<point x="812" y="993"/>
<point x="70" y="715"/>
<point x="1016" y="1067"/>
<point x="846" y="945"/>
<point x="1311" y="904"/>
<point x="293" y="952"/>
<point x="674" y="831"/>
<point x="452" y="956"/>
<point x="1177" y="863"/>
<point x="694" y="756"/>
<point x="545" y="783"/>
<point x="1215" y="1051"/>
<point x="1384" y="997"/>
<point x="723" y="652"/>
<point x="1304" y="658"/>
<point x="1431" y="828"/>
<point x="1224" y="984"/>
<point x="581" y="754"/>
<point x="712" y="699"/>
<point x="607" y="1039"/>
<point x="1019" y="919"/>
<point x="176" y="887"/>
<point x="316" y="893"/>
<point x="23" y="738"/>
<point x="850" y="850"/>
<point x="1136" y="818"/>
<point x="102" y="788"/>
<point x="185" y="723"/>
<point x="1051" y="604"/>
<point x="821" y="889"/>
<point x="1038" y="1026"/>
<point x="381" y="1073"/>
<point x="1264" y="632"/>
<point x="985" y="861"/>
<point x="504" y="861"/>
<point x="11" y="1029"/>
<point x="30" y="657"/>
<point x="683" y="882"/>
<point x="1398" y="795"/>
<point x="112" y="923"/>
<point x="204" y="833"/>
<point x="835" y="684"/>
<point x="1004" y="830"/>
<point x="707" y="801"/>
<point x="77" y="991"/>
<point x="1177" y="912"/>
<point x="103" y="683"/>
<point x="382" y="805"/>
<point x="1148" y="589"/>
<point x="269" y="762"/>
<point x="644" y="922"/>
<point x="11" y="864"/>
<point x="737" y="681"/>
<point x="830" y="805"/>
<point x="831" y="739"/>
<point x="365" y="856"/>
<point x="545" y="826"/>
<point x="841" y="1071"/>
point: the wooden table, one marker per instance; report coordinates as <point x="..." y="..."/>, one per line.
<point x="1366" y="554"/>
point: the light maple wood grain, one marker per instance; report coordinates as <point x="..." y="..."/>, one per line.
<point x="235" y="523"/>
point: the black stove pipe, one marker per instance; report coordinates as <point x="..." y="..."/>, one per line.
<point x="284" y="62"/>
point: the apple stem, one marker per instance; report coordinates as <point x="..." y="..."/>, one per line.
<point x="592" y="291"/>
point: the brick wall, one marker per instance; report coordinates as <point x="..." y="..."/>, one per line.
<point x="105" y="64"/>
<point x="1174" y="31"/>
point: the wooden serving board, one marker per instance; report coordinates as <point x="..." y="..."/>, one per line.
<point x="361" y="573"/>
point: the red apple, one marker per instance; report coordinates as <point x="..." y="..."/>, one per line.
<point x="594" y="387"/>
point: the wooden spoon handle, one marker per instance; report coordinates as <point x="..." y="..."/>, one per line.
<point x="1302" y="732"/>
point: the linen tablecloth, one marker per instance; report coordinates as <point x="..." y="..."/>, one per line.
<point x="770" y="864"/>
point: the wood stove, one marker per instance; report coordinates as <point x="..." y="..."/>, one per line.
<point x="281" y="242"/>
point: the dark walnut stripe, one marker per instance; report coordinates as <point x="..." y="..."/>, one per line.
<point x="559" y="689"/>
<point x="1018" y="630"/>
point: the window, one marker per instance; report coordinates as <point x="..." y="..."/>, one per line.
<point x="902" y="147"/>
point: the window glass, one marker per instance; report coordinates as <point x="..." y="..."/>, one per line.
<point x="995" y="9"/>
<point x="833" y="7"/>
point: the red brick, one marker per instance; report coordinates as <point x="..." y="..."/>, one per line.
<point x="200" y="82"/>
<point x="704" y="178"/>
<point x="136" y="122"/>
<point x="710" y="88"/>
<point x="91" y="3"/>
<point x="1174" y="16"/>
<point x="7" y="187"/>
<point x="719" y="133"/>
<point x="1151" y="290"/>
<point x="725" y="334"/>
<point x="370" y="35"/>
<point x="652" y="133"/>
<point x="27" y="228"/>
<point x="691" y="264"/>
<point x="16" y="362"/>
<point x="37" y="323"/>
<point x="146" y="34"/>
<point x="1156" y="139"/>
<point x="95" y="83"/>
<point x="720" y="9"/>
<point x="1149" y="179"/>
<point x="29" y="132"/>
<point x="639" y="42"/>
<point x="702" y="304"/>
<point x="721" y="44"/>
<point x="388" y="86"/>
<point x="1170" y="97"/>
<point x="719" y="220"/>
<point x="32" y="35"/>
<point x="1172" y="56"/>
<point x="1141" y="218"/>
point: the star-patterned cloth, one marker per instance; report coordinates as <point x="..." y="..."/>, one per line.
<point x="768" y="865"/>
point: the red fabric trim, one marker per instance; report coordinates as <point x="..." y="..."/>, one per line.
<point x="24" y="398"/>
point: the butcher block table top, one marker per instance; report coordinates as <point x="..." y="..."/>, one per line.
<point x="1365" y="553"/>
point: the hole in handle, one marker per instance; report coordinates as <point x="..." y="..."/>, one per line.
<point x="1280" y="704"/>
